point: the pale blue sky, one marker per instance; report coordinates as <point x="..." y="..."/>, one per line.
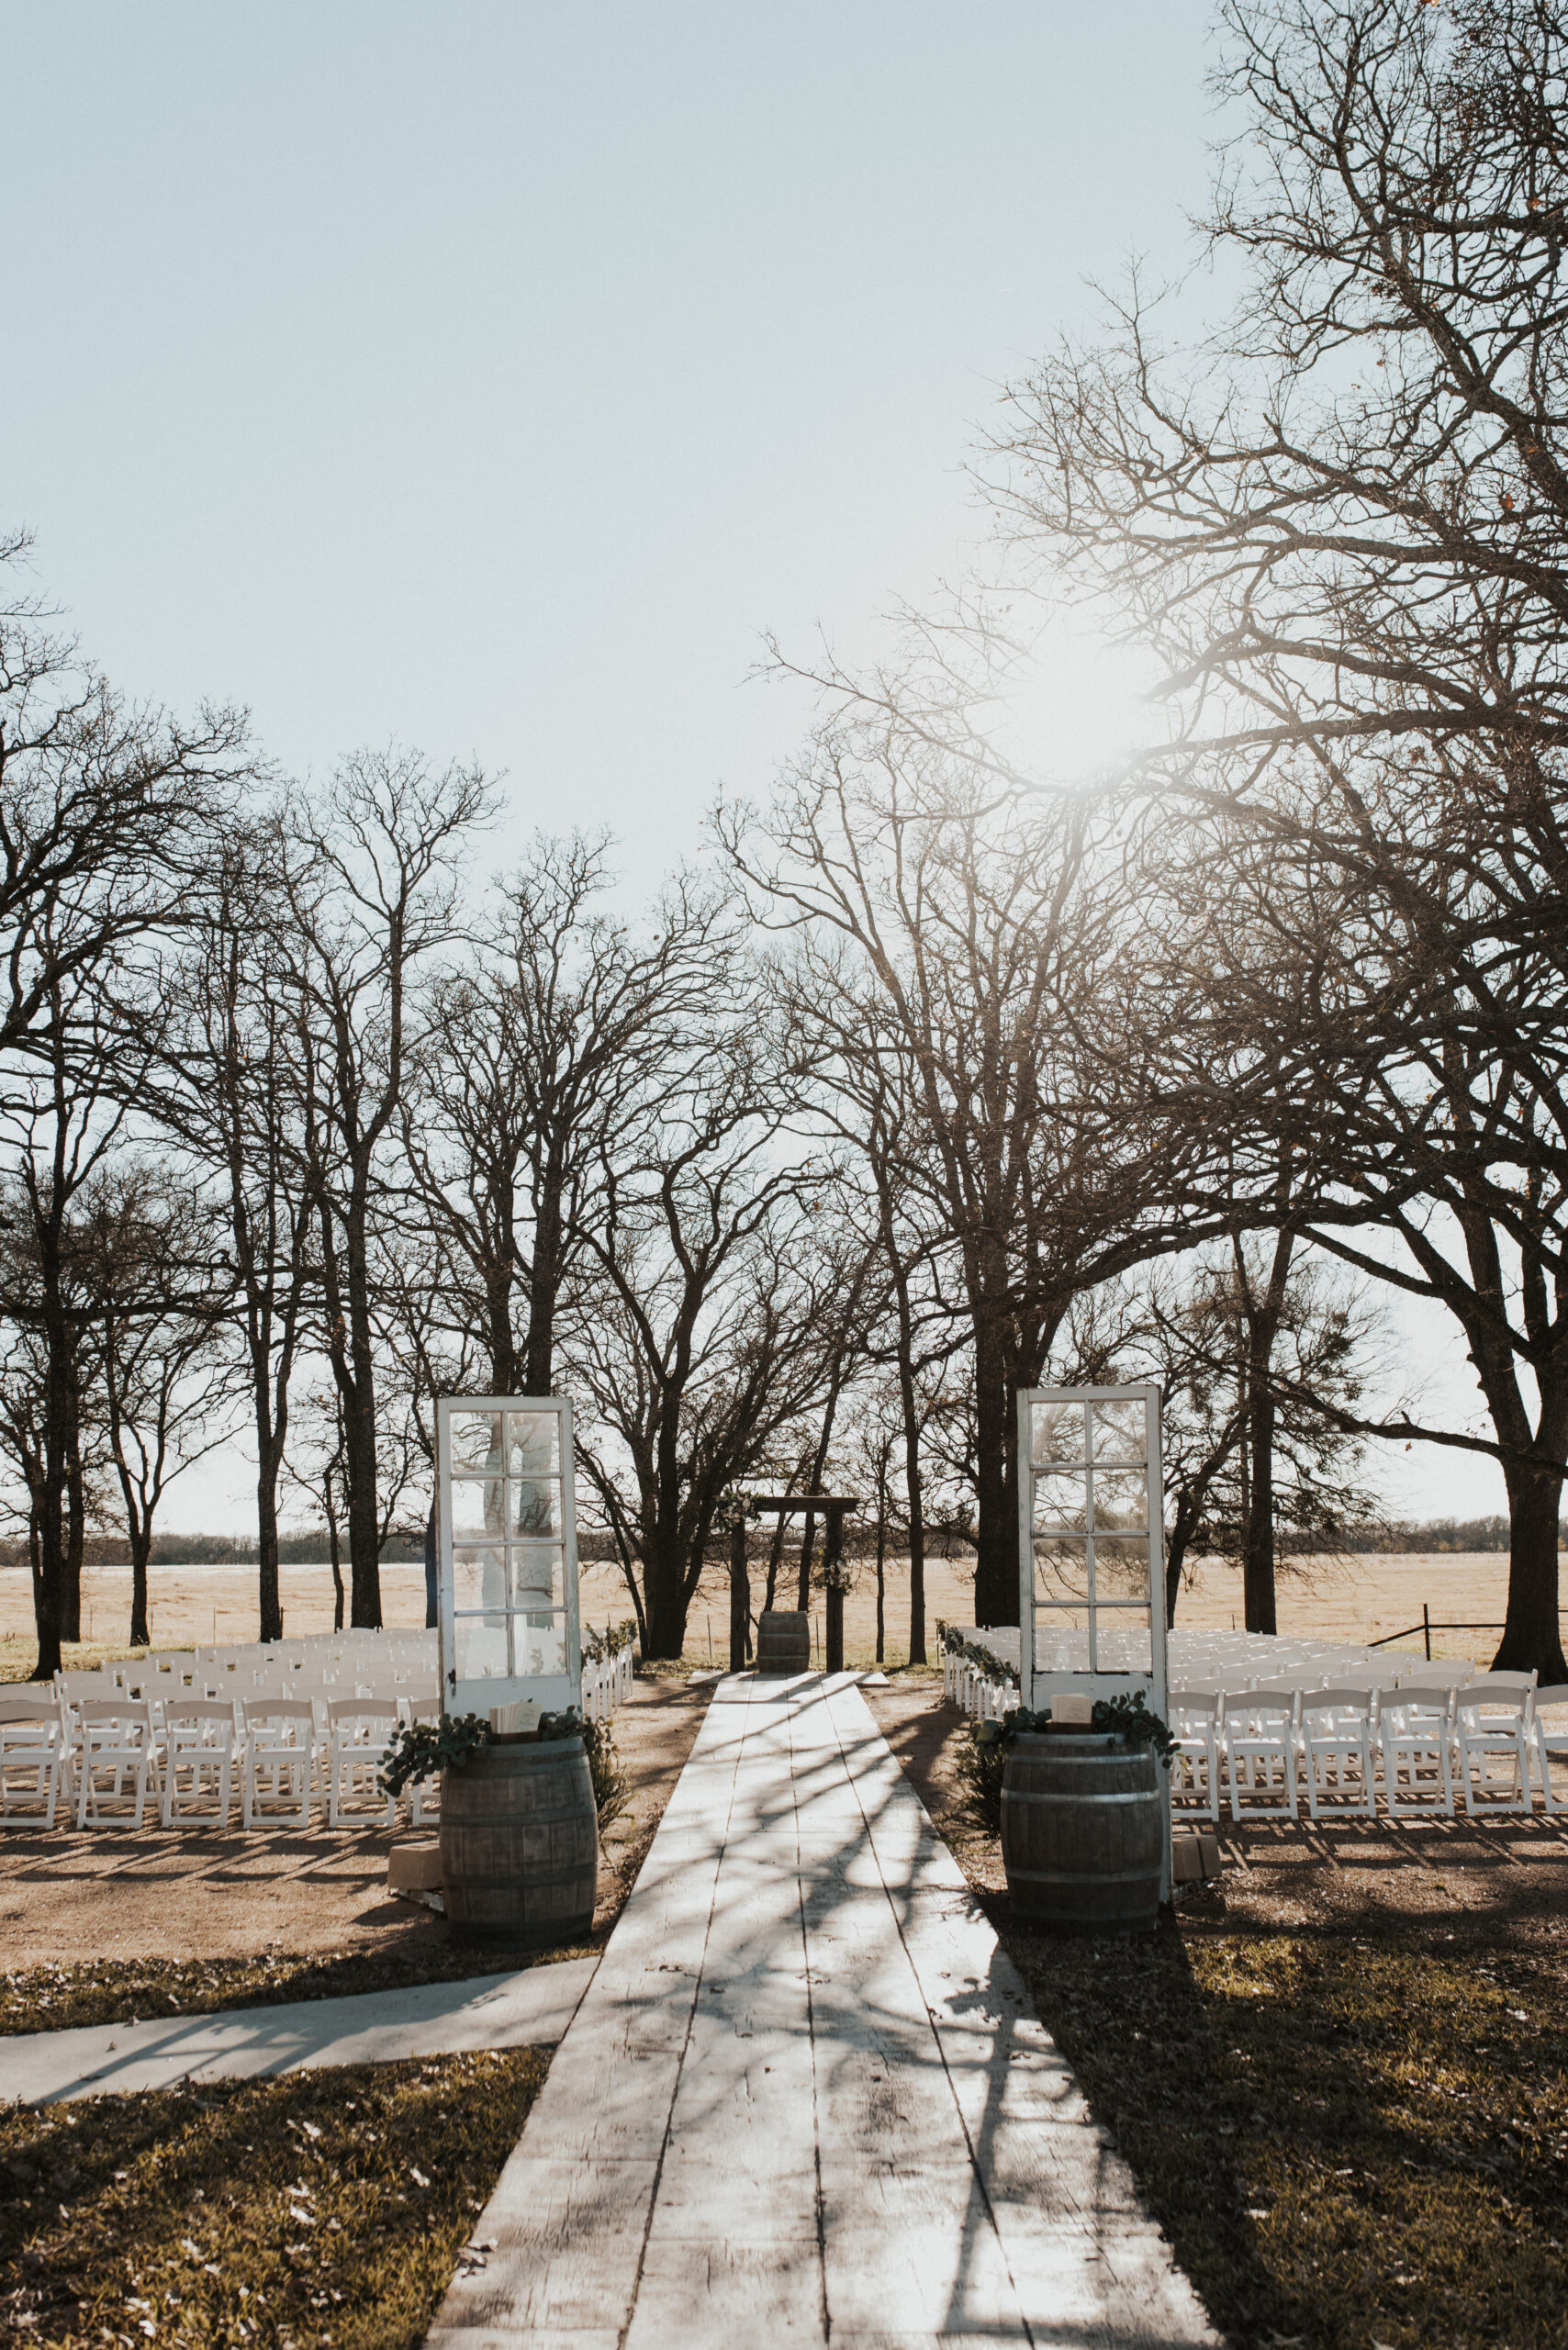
<point x="491" y="378"/>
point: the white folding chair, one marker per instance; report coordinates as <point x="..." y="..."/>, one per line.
<point x="199" y="1748"/>
<point x="360" y="1732"/>
<point x="1195" y="1771"/>
<point x="1259" y="1746"/>
<point x="1493" y="1720"/>
<point x="279" y="1775"/>
<point x="1435" y="1676"/>
<point x="1414" y="1739"/>
<point x="423" y="1794"/>
<point x="1550" y="1743"/>
<point x="1336" y="1751"/>
<point x="114" y="1759"/>
<point x="32" y="1759"/>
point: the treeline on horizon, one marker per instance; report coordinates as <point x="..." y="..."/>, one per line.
<point x="312" y="1549"/>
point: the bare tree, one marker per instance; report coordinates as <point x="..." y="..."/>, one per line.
<point x="531" y="1054"/>
<point x="106" y="811"/>
<point x="714" y="1327"/>
<point x="65" y="1117"/>
<point x="1338" y="526"/>
<point x="994" y="948"/>
<point x="159" y="1284"/>
<point x="369" y="887"/>
<point x="235" y="1070"/>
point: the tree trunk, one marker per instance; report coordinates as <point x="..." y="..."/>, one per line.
<point x="1533" y="1634"/>
<point x="334" y="1552"/>
<point x="359" y="1433"/>
<point x="807" y="1543"/>
<point x="46" y="1599"/>
<point x="269" y="1602"/>
<point x="364" y="1526"/>
<point x="819" y="1470"/>
<point x="666" y="1604"/>
<point x="76" y="1534"/>
<point x="909" y="1406"/>
<point x="539" y="1366"/>
<point x="996" y="1544"/>
<point x="56" y="1449"/>
<point x="1259" y="1329"/>
<point x="1258" y="1556"/>
<point x="141" y="1551"/>
<point x="881" y="1569"/>
<point x="1176" y="1557"/>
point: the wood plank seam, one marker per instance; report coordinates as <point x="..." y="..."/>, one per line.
<point x="852" y="1783"/>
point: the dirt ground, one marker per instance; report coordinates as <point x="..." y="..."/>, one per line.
<point x="190" y="1894"/>
<point x="1444" y="1880"/>
<point x="1359" y="1599"/>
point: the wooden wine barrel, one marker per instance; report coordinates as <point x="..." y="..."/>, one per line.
<point x="1082" y="1831"/>
<point x="519" y="1845"/>
<point x="783" y="1641"/>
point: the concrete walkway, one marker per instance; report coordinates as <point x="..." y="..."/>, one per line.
<point x="804" y="2098"/>
<point x="530" y="2008"/>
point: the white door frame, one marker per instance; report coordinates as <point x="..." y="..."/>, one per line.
<point x="503" y="1550"/>
<point x="1035" y="1681"/>
<point x="1035" y="1684"/>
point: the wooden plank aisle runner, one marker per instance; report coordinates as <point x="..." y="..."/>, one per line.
<point x="805" y="2094"/>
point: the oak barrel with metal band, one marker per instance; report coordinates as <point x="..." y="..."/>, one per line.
<point x="1082" y="1831"/>
<point x="783" y="1641"/>
<point x="519" y="1845"/>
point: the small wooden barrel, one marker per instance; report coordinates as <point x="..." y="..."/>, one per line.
<point x="783" y="1641"/>
<point x="519" y="1845"/>
<point x="1082" y="1831"/>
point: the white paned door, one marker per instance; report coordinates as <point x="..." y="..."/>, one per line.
<point x="507" y="1552"/>
<point x="1092" y="1542"/>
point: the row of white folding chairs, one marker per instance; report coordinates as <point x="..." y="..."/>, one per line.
<point x="374" y="1678"/>
<point x="104" y="1751"/>
<point x="607" y="1683"/>
<point x="1266" y="1746"/>
<point x="105" y="1759"/>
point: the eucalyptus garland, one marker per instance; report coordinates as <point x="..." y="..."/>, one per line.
<point x="994" y="1667"/>
<point x="1126" y="1716"/>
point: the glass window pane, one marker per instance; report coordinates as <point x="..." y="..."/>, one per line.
<point x="1121" y="1500"/>
<point x="538" y="1578"/>
<point x="1058" y="1433"/>
<point x="476" y="1440"/>
<point x="1122" y="1644"/>
<point x="1061" y="1502"/>
<point x="481" y="1648"/>
<point x="1121" y="1431"/>
<point x="1061" y="1639"/>
<point x="1061" y="1568"/>
<point x="479" y="1577"/>
<point x="534" y="1505"/>
<point x="534" y="1444"/>
<point x="1121" y="1567"/>
<point x="477" y="1507"/>
<point x="539" y="1647"/>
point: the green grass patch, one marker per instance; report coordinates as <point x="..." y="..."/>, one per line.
<point x="324" y="2207"/>
<point x="130" y="1990"/>
<point x="1349" y="2141"/>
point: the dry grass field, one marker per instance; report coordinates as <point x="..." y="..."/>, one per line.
<point x="1355" y="1599"/>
